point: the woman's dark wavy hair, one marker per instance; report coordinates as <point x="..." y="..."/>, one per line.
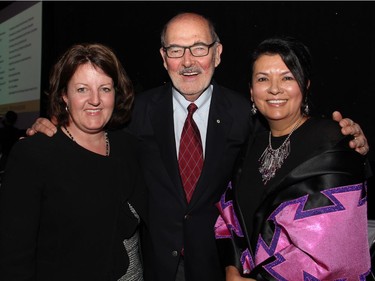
<point x="294" y="54"/>
<point x="101" y="57"/>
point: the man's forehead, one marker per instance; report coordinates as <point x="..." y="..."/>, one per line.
<point x="188" y="36"/>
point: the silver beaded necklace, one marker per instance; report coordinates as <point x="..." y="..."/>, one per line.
<point x="105" y="135"/>
<point x="272" y="159"/>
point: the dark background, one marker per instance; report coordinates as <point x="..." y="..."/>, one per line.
<point x="341" y="37"/>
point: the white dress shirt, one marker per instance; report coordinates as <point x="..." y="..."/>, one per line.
<point x="200" y="116"/>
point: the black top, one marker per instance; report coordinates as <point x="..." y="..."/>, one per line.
<point x="304" y="142"/>
<point x="63" y="209"/>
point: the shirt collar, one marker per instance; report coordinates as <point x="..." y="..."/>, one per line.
<point x="201" y="101"/>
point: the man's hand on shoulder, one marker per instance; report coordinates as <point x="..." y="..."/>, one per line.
<point x="349" y="127"/>
<point x="42" y="125"/>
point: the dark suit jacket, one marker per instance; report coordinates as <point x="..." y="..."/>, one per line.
<point x="175" y="224"/>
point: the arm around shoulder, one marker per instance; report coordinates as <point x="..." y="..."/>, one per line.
<point x="42" y="125"/>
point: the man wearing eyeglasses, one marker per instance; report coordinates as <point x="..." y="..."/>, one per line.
<point x="181" y="227"/>
<point x="182" y="230"/>
<point x="180" y="243"/>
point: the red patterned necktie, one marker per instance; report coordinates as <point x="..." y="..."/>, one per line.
<point x="190" y="158"/>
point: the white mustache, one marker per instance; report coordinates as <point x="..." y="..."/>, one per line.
<point x="190" y="70"/>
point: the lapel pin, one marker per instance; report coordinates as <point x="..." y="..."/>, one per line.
<point x="218" y="121"/>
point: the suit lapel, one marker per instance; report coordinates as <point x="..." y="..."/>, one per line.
<point x="219" y="124"/>
<point x="162" y="122"/>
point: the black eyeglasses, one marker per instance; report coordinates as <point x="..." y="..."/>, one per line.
<point x="197" y="50"/>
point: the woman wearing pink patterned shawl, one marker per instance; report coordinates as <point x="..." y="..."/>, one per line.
<point x="296" y="209"/>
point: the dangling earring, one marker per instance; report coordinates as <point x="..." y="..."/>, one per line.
<point x="306" y="109"/>
<point x="253" y="109"/>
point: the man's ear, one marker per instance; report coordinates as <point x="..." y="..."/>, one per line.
<point x="219" y="50"/>
<point x="163" y="56"/>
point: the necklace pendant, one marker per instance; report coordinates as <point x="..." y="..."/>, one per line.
<point x="272" y="159"/>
